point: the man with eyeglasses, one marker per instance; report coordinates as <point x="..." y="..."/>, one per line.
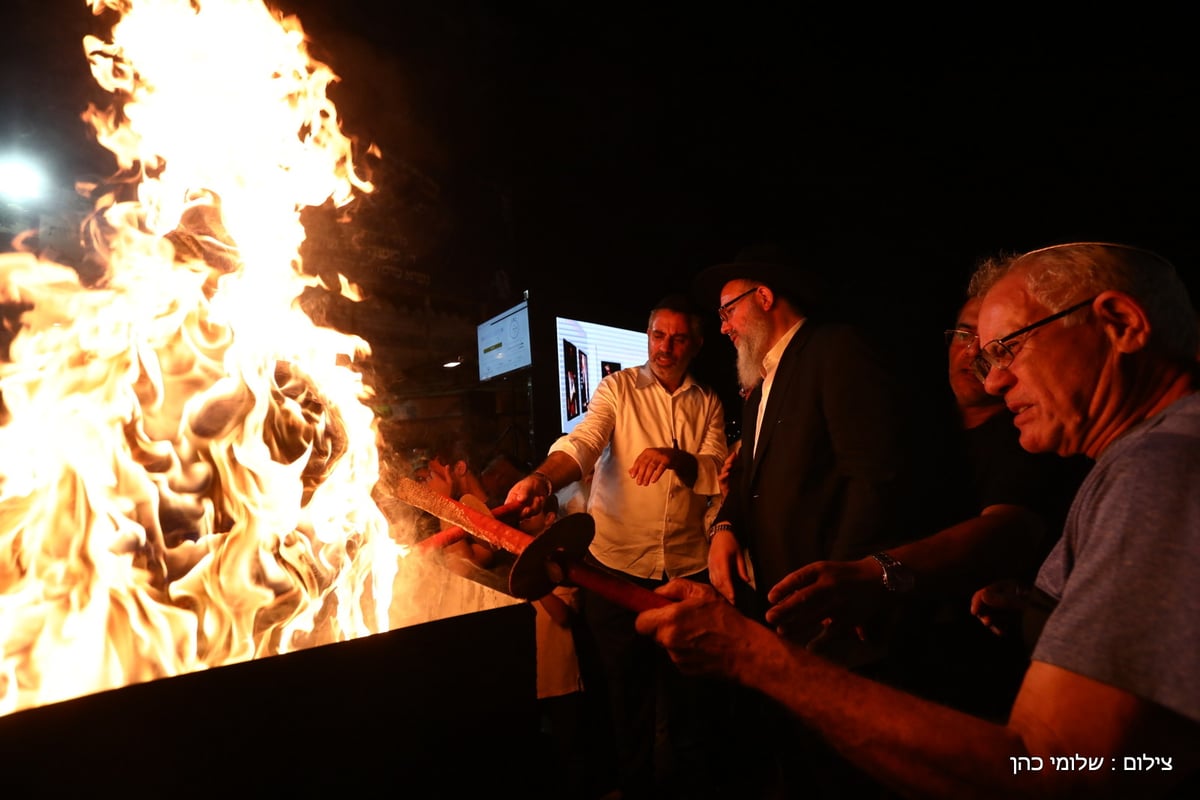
<point x="819" y="470"/>
<point x="997" y="510"/>
<point x="823" y="462"/>
<point x="1110" y="704"/>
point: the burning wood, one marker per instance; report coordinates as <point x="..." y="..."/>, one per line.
<point x="187" y="465"/>
<point x="455" y="533"/>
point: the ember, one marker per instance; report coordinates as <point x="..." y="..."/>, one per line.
<point x="187" y="462"/>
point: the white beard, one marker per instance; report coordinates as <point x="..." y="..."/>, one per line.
<point x="749" y="368"/>
<point x="751" y="349"/>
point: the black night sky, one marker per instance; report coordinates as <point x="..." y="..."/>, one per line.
<point x="599" y="155"/>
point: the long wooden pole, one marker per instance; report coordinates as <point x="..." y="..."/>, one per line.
<point x="551" y="564"/>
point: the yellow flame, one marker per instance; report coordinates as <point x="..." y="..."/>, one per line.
<point x="187" y="465"/>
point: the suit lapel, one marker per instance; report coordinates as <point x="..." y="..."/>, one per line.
<point x="781" y="391"/>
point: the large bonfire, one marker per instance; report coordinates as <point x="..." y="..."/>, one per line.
<point x="186" y="460"/>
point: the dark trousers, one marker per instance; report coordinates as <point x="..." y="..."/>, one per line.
<point x="668" y="728"/>
<point x="563" y="757"/>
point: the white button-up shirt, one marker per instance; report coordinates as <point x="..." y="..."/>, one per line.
<point x="656" y="530"/>
<point x="769" y="365"/>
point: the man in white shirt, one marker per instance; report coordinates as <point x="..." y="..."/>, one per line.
<point x="654" y="441"/>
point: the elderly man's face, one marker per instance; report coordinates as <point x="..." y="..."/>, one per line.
<point x="671" y="346"/>
<point x="1054" y="380"/>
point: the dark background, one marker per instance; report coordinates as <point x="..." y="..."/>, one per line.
<point x="599" y="155"/>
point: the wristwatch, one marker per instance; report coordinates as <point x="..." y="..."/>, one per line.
<point x="896" y="577"/>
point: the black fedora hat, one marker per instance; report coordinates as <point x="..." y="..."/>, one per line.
<point x="771" y="265"/>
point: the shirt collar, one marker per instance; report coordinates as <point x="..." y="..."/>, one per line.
<point x="646" y="378"/>
<point x="771" y="359"/>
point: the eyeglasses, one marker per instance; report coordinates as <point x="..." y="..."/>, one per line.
<point x="961" y="337"/>
<point x="999" y="354"/>
<point x="723" y="311"/>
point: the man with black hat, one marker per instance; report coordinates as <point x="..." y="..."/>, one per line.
<point x="822" y="456"/>
<point x="654" y="441"/>
<point x="819" y="473"/>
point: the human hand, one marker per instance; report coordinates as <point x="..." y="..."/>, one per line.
<point x="999" y="605"/>
<point x="725" y="561"/>
<point x="650" y="465"/>
<point x="825" y="597"/>
<point x="702" y="632"/>
<point x="530" y="493"/>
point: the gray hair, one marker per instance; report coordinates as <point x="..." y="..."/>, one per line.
<point x="680" y="304"/>
<point x="1063" y="274"/>
<point x="987" y="272"/>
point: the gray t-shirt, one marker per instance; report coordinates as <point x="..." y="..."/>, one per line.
<point x="1126" y="572"/>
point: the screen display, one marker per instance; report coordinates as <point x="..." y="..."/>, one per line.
<point x="503" y="342"/>
<point x="587" y="352"/>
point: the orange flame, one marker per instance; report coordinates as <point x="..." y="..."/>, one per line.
<point x="187" y="464"/>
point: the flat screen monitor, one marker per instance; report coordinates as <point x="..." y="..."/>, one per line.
<point x="588" y="351"/>
<point x="503" y="343"/>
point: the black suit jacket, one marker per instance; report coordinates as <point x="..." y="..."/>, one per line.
<point x="826" y="480"/>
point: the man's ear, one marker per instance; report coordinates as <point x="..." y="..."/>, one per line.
<point x="1124" y="321"/>
<point x="767" y="297"/>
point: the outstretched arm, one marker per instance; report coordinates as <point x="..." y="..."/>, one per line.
<point x="926" y="750"/>
<point x="999" y="543"/>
